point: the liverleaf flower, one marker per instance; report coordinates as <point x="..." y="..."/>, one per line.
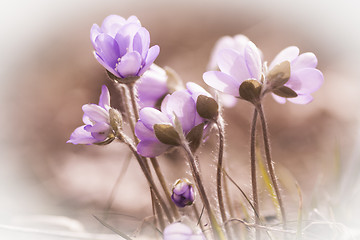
<point x="122" y="46"/>
<point x="304" y="77"/>
<point x="157" y="130"/>
<point x="180" y="231"/>
<point x="183" y="193"/>
<point x="243" y="75"/>
<point x="100" y="122"/>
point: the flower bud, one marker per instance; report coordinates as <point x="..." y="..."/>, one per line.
<point x="183" y="193"/>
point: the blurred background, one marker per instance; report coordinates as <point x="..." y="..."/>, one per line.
<point x="47" y="72"/>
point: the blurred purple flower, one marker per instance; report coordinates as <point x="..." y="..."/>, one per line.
<point x="122" y="46"/>
<point x="235" y="67"/>
<point x="97" y="121"/>
<point x="152" y="87"/>
<point x="304" y="79"/>
<point x="180" y="231"/>
<point x="181" y="103"/>
<point x="183" y="193"/>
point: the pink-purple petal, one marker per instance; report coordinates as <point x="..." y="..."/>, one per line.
<point x="226" y="59"/>
<point x="306" y="80"/>
<point x="222" y="82"/>
<point x="94" y="32"/>
<point x="177" y="231"/>
<point x="150" y="58"/>
<point x="301" y="99"/>
<point x="129" y="64"/>
<point x="288" y="54"/>
<point x="105" y="65"/>
<point x="81" y="136"/>
<point x="96" y="113"/>
<point x="142" y="132"/>
<point x="305" y="60"/>
<point x="97" y="127"/>
<point x="141" y="42"/>
<point x="151" y="148"/>
<point x="151" y="116"/>
<point x="182" y="105"/>
<point x="279" y="99"/>
<point x="112" y="24"/>
<point x="104" y="100"/>
<point x="253" y="60"/>
<point x="107" y="48"/>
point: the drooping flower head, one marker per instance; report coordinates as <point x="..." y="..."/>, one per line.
<point x="152" y="87"/>
<point x="122" y="46"/>
<point x="153" y="124"/>
<point x="97" y="120"/>
<point x="183" y="193"/>
<point x="180" y="231"/>
<point x="304" y="78"/>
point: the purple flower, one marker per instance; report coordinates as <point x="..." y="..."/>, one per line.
<point x="122" y="46"/>
<point x="180" y="231"/>
<point x="97" y="122"/>
<point x="235" y="68"/>
<point x="152" y="87"/>
<point x="181" y="103"/>
<point x="183" y="193"/>
<point x="304" y="79"/>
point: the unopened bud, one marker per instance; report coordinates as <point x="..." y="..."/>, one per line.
<point x="183" y="193"/>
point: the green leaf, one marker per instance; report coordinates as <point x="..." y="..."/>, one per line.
<point x="195" y="136"/>
<point x="207" y="107"/>
<point x="285" y="92"/>
<point x="250" y="90"/>
<point x="167" y="134"/>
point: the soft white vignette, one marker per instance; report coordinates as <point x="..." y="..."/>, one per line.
<point x="22" y="23"/>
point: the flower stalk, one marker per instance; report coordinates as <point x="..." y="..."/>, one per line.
<point x="220" y="126"/>
<point x="253" y="172"/>
<point x="270" y="163"/>
<point x="147" y="174"/>
<point x="163" y="184"/>
<point x="218" y="232"/>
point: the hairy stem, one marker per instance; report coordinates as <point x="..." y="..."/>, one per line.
<point x="147" y="174"/>
<point x="218" y="233"/>
<point x="220" y="126"/>
<point x="164" y="186"/>
<point x="253" y="172"/>
<point x="270" y="163"/>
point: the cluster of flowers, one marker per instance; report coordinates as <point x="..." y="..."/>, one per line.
<point x="169" y="115"/>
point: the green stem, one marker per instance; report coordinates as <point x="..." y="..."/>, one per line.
<point x="270" y="163"/>
<point x="164" y="186"/>
<point x="218" y="233"/>
<point x="253" y="172"/>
